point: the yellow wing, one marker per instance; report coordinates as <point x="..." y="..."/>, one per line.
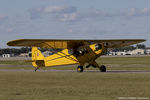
<point x="54" y="43"/>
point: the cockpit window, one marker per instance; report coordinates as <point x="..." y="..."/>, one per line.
<point x="98" y="47"/>
<point x="81" y="51"/>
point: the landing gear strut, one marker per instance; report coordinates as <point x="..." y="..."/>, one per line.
<point x="103" y="68"/>
<point x="80" y="69"/>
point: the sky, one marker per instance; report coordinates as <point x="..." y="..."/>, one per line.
<point x="74" y="19"/>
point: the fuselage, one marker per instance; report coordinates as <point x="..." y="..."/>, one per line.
<point x="79" y="56"/>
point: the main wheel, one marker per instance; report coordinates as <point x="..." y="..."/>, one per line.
<point x="80" y="69"/>
<point x="103" y="68"/>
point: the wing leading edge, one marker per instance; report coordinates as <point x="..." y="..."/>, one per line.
<point x="54" y="43"/>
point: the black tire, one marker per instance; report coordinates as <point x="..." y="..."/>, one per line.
<point x="103" y="68"/>
<point x="80" y="69"/>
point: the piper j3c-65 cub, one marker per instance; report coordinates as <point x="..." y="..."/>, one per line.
<point x="79" y="52"/>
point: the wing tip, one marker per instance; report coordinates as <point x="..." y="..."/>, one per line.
<point x="143" y="40"/>
<point x="13" y="42"/>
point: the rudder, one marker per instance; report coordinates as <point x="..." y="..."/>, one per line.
<point x="37" y="58"/>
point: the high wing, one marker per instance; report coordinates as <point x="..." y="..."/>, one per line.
<point x="71" y="44"/>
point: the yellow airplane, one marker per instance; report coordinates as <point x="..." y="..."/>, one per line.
<point x="79" y="52"/>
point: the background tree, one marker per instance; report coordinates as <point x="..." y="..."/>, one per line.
<point x="140" y="46"/>
<point x="128" y="48"/>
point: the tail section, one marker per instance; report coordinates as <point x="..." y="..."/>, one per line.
<point x="37" y="58"/>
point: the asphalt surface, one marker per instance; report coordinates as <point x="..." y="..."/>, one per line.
<point x="95" y="71"/>
<point x="51" y="70"/>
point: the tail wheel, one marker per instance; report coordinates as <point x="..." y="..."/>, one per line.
<point x="80" y="69"/>
<point x="103" y="68"/>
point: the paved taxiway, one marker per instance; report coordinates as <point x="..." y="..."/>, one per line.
<point x="41" y="70"/>
<point x="109" y="71"/>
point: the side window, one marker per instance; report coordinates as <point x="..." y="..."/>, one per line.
<point x="98" y="47"/>
<point x="81" y="51"/>
<point x="70" y="51"/>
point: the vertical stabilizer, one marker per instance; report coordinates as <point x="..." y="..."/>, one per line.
<point x="37" y="58"/>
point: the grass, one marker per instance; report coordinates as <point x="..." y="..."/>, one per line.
<point x="72" y="86"/>
<point x="76" y="86"/>
<point x="15" y="62"/>
<point x="100" y="60"/>
<point x="124" y="60"/>
<point x="112" y="63"/>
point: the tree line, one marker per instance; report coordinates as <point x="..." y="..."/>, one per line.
<point x="15" y="51"/>
<point x="18" y="51"/>
<point x="130" y="48"/>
